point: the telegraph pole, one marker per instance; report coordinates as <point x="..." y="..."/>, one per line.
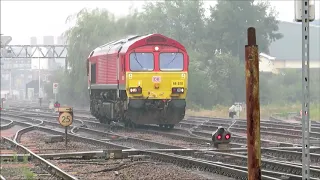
<point x="253" y="106"/>
<point x="305" y="12"/>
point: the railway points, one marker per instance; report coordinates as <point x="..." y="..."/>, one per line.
<point x="284" y="159"/>
<point x="243" y="140"/>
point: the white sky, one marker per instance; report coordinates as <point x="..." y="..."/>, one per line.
<point x="23" y="19"/>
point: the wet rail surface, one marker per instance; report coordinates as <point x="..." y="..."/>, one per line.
<point x="264" y="152"/>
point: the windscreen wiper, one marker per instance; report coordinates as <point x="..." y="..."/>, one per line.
<point x="172" y="59"/>
<point x="135" y="57"/>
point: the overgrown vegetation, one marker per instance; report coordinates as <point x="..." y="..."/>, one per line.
<point x="215" y="79"/>
<point x="20" y="170"/>
<point x="265" y="111"/>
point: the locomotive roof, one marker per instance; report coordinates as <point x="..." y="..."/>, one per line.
<point x="134" y="41"/>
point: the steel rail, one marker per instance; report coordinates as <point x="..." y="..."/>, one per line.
<point x="2" y="178"/>
<point x="203" y="165"/>
<point x="272" y="121"/>
<point x="289" y="129"/>
<point x="281" y="175"/>
<point x="180" y="136"/>
<point x="176" y="159"/>
<point x="266" y="163"/>
<point x="7" y="126"/>
<point x="76" y="137"/>
<point x="268" y="151"/>
<point x="136" y="139"/>
<point x="52" y="169"/>
<point x="208" y="135"/>
<point x="124" y="138"/>
<point x="274" y="129"/>
<point x="242" y="140"/>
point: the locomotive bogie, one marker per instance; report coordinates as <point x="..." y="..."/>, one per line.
<point x="161" y="112"/>
<point x="107" y="105"/>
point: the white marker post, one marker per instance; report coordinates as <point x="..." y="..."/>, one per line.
<point x="55" y="88"/>
<point x="305" y="12"/>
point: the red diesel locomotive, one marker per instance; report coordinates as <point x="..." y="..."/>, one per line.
<point x="139" y="80"/>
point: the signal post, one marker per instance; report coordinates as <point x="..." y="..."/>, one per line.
<point x="65" y="119"/>
<point x="305" y="13"/>
<point x="55" y="90"/>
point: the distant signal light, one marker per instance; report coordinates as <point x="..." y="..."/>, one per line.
<point x="227" y="136"/>
<point x="219" y="137"/>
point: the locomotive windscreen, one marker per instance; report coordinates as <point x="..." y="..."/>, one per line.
<point x="171" y="61"/>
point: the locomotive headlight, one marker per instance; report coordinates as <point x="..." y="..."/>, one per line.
<point x="177" y="90"/>
<point x="156" y="48"/>
<point x="134" y="90"/>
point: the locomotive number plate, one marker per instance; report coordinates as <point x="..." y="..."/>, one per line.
<point x="156" y="79"/>
<point x="177" y="83"/>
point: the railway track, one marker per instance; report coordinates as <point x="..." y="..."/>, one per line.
<point x="183" y="161"/>
<point x="272" y="127"/>
<point x="237" y="141"/>
<point x="272" y="168"/>
<point x="241" y="141"/>
<point x="105" y="136"/>
<point x="39" y="161"/>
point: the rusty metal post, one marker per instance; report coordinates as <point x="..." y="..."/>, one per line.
<point x="253" y="106"/>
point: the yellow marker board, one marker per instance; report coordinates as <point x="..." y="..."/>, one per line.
<point x="65" y="119"/>
<point x="64" y="109"/>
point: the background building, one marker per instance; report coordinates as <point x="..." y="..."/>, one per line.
<point x="288" y="50"/>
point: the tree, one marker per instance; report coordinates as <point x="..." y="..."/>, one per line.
<point x="93" y="28"/>
<point x="179" y="19"/>
<point x="229" y="21"/>
<point x="214" y="78"/>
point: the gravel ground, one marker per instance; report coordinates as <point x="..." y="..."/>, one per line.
<point x="35" y="140"/>
<point x="11" y="131"/>
<point x="162" y="139"/>
<point x="5" y="148"/>
<point x="125" y="169"/>
<point x="282" y="139"/>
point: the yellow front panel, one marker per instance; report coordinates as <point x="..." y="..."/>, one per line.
<point x="157" y="85"/>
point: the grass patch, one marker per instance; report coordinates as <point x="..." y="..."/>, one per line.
<point x="17" y="170"/>
<point x="265" y="111"/>
<point x="29" y="175"/>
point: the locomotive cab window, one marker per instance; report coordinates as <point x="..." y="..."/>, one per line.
<point x="141" y="61"/>
<point x="93" y="73"/>
<point x="171" y="61"/>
